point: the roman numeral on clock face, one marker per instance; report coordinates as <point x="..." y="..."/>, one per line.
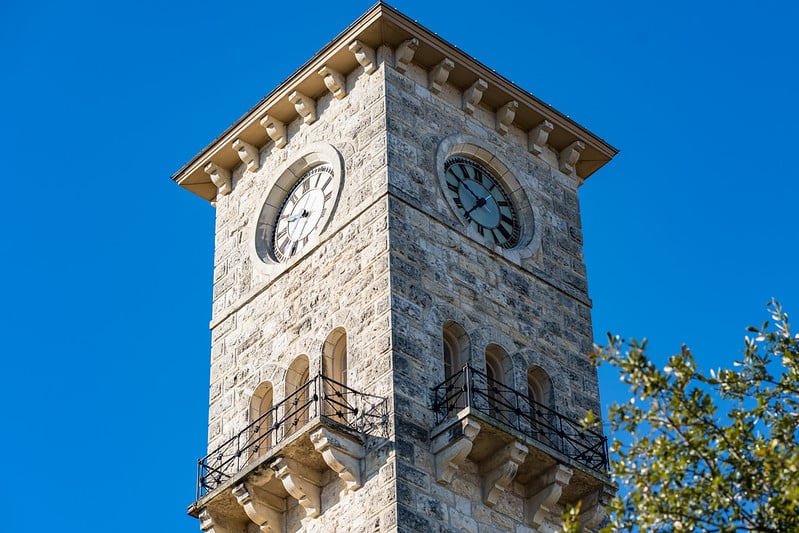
<point x="327" y="183"/>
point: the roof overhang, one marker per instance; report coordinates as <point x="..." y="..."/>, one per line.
<point x="383" y="25"/>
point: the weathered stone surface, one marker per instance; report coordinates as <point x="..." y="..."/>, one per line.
<point x="393" y="266"/>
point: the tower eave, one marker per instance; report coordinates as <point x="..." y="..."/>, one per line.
<point x="382" y="25"/>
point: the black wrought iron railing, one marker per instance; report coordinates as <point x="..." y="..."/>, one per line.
<point x="473" y="388"/>
<point x="320" y="396"/>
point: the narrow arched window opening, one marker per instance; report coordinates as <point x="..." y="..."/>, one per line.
<point x="455" y="348"/>
<point x="499" y="381"/>
<point x="338" y="401"/>
<point x="262" y="419"/>
<point x="455" y="355"/>
<point x="540" y="395"/>
<point x="297" y="404"/>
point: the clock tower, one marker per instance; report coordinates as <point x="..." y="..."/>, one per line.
<point x="400" y="321"/>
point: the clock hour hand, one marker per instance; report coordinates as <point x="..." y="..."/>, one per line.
<point x="294" y="218"/>
<point x="479" y="203"/>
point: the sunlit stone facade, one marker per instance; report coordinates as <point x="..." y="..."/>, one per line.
<point x="403" y="366"/>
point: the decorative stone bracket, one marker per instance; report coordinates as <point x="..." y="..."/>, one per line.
<point x="439" y="74"/>
<point x="473" y="95"/>
<point x="220" y="178"/>
<point x="334" y="81"/>
<point x="247" y="153"/>
<point x="210" y="523"/>
<point x="594" y="508"/>
<point x="505" y="116"/>
<point x="569" y="156"/>
<point x="364" y="55"/>
<point x="545" y="492"/>
<point x="275" y="129"/>
<point x="305" y="106"/>
<point x="404" y="54"/>
<point x="302" y="483"/>
<point x="538" y="136"/>
<point x="342" y="454"/>
<point x="451" y="447"/>
<point x="264" y="509"/>
<point x="499" y="470"/>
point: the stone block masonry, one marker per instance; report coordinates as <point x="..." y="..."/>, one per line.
<point x="400" y="281"/>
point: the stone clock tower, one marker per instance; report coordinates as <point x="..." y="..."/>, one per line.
<point x="400" y="308"/>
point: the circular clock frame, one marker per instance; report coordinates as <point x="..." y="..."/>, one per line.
<point x="304" y="208"/>
<point x="523" y="237"/>
<point x="299" y="205"/>
<point x="482" y="201"/>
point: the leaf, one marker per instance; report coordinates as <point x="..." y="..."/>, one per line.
<point x="717" y="453"/>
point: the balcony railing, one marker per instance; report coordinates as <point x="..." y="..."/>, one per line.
<point x="320" y="396"/>
<point x="474" y="389"/>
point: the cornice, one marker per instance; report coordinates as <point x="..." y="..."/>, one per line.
<point x="580" y="151"/>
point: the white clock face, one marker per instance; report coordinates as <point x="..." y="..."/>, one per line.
<point x="304" y="211"/>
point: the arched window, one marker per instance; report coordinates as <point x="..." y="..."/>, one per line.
<point x="456" y="348"/>
<point x="334" y="368"/>
<point x="455" y="354"/>
<point x="499" y="370"/>
<point x="297" y="405"/>
<point x="262" y="419"/>
<point x="540" y="394"/>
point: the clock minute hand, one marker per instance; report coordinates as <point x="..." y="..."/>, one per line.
<point x="479" y="203"/>
<point x="466" y="186"/>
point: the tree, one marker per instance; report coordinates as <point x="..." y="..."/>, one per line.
<point x="713" y="452"/>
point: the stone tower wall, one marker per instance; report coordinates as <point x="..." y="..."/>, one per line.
<point x="536" y="308"/>
<point x="393" y="266"/>
<point x="263" y="318"/>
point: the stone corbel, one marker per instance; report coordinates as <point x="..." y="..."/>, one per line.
<point x="305" y="106"/>
<point x="451" y="448"/>
<point x="545" y="493"/>
<point x="247" y="153"/>
<point x="364" y="55"/>
<point x="569" y="156"/>
<point x="438" y="76"/>
<point x="342" y="454"/>
<point x="498" y="472"/>
<point x="473" y="95"/>
<point x="210" y="523"/>
<point x="334" y="81"/>
<point x="404" y="54"/>
<point x="505" y="116"/>
<point x="302" y="483"/>
<point x="538" y="136"/>
<point x="275" y="129"/>
<point x="220" y="178"/>
<point x="264" y="509"/>
<point x="594" y="508"/>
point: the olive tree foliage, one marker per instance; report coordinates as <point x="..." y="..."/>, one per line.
<point x="713" y="452"/>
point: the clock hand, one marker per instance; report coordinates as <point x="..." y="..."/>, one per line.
<point x="480" y="203"/>
<point x="294" y="218"/>
<point x="466" y="186"/>
<point x="306" y="215"/>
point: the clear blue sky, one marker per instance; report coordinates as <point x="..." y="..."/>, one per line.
<point x="107" y="264"/>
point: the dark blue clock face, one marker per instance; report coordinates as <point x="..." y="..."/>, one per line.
<point x="482" y="201"/>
